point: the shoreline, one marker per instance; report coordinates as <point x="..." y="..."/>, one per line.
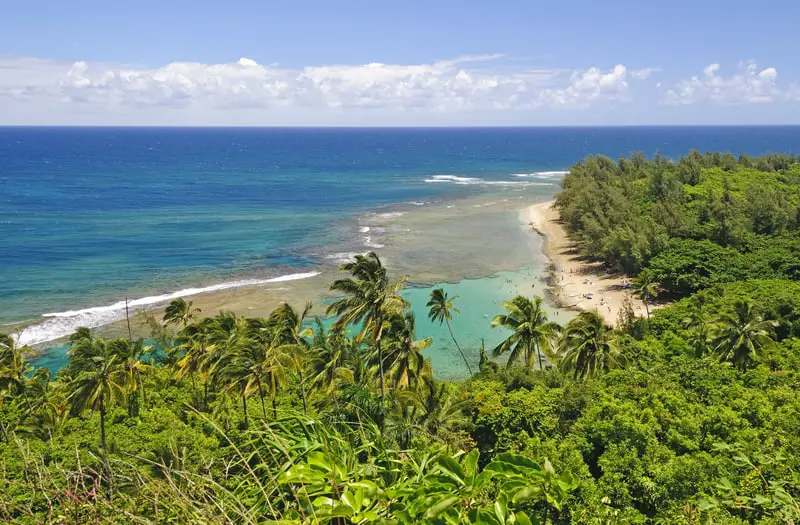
<point x="574" y="282"/>
<point x="428" y="242"/>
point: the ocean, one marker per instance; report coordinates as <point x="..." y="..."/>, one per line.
<point x="90" y="216"/>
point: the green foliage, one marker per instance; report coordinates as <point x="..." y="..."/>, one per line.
<point x="702" y="220"/>
<point x="689" y="417"/>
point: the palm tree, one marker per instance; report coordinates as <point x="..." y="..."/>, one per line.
<point x="245" y="373"/>
<point x="369" y="299"/>
<point x="80" y="334"/>
<point x="646" y="288"/>
<point x="13" y="365"/>
<point x="131" y="356"/>
<point x="180" y="311"/>
<point x="195" y="353"/>
<point x="294" y="339"/>
<point x="48" y="410"/>
<point x="329" y="356"/>
<point x="441" y="310"/>
<point x="743" y="336"/>
<point x="441" y="409"/>
<point x="237" y="361"/>
<point x="587" y="346"/>
<point x="97" y="383"/>
<point x="531" y="332"/>
<point x="699" y="326"/>
<point x="431" y="410"/>
<point x="407" y="367"/>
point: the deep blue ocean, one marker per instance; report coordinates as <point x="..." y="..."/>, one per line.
<point x="91" y="215"/>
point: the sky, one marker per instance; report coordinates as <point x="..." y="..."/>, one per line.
<point x="398" y="63"/>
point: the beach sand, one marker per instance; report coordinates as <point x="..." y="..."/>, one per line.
<point x="575" y="282"/>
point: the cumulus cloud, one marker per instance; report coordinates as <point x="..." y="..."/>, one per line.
<point x="645" y="73"/>
<point x="748" y="85"/>
<point x="588" y="87"/>
<point x="465" y="84"/>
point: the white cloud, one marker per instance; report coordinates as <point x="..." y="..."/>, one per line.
<point x="588" y="87"/>
<point x="644" y="73"/>
<point x="748" y="85"/>
<point x="463" y="85"/>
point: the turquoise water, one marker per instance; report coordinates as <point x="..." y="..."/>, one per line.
<point x="478" y="301"/>
<point x="89" y="216"/>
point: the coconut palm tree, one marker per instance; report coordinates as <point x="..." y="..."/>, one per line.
<point x="294" y="338"/>
<point x="245" y="372"/>
<point x="131" y="355"/>
<point x="531" y="332"/>
<point x="48" y="407"/>
<point x="179" y="311"/>
<point x="743" y="336"/>
<point x="97" y="382"/>
<point x="441" y="310"/>
<point x="329" y="356"/>
<point x="13" y="366"/>
<point x="237" y="361"/>
<point x="403" y="353"/>
<point x="195" y="353"/>
<point x="587" y="346"/>
<point x="646" y="288"/>
<point x="80" y="334"/>
<point x="369" y="298"/>
<point x="280" y="355"/>
<point x="699" y="325"/>
<point x="441" y="409"/>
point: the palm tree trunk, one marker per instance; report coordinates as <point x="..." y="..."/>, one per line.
<point x="261" y="395"/>
<point x="140" y="384"/>
<point x="646" y="308"/>
<point x="274" y="409"/>
<point x="244" y="409"/>
<point x="303" y="392"/>
<point x="539" y="354"/>
<point x="380" y="366"/>
<point x="459" y="348"/>
<point x="106" y="466"/>
<point x="205" y="394"/>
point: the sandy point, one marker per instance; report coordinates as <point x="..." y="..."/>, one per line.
<point x="575" y="281"/>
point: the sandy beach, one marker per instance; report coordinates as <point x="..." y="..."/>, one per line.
<point x="576" y="282"/>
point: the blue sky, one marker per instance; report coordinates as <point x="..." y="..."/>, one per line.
<point x="345" y="62"/>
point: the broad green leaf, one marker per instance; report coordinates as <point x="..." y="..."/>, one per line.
<point x="526" y="493"/>
<point x="500" y="510"/>
<point x="522" y="518"/>
<point x="471" y="462"/>
<point x="441" y="506"/>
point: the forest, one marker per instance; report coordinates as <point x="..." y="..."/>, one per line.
<point x="690" y="415"/>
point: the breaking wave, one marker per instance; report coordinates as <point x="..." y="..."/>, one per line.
<point x="59" y="324"/>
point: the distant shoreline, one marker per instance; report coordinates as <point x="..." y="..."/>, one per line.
<point x="576" y="283"/>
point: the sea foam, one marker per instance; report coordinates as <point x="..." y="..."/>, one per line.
<point x="469" y="181"/>
<point x="60" y="324"/>
<point x="543" y="174"/>
<point x="343" y="257"/>
<point x="453" y="178"/>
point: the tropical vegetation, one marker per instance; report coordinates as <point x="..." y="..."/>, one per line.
<point x="690" y="415"/>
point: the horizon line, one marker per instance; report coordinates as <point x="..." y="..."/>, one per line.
<point x="336" y="126"/>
